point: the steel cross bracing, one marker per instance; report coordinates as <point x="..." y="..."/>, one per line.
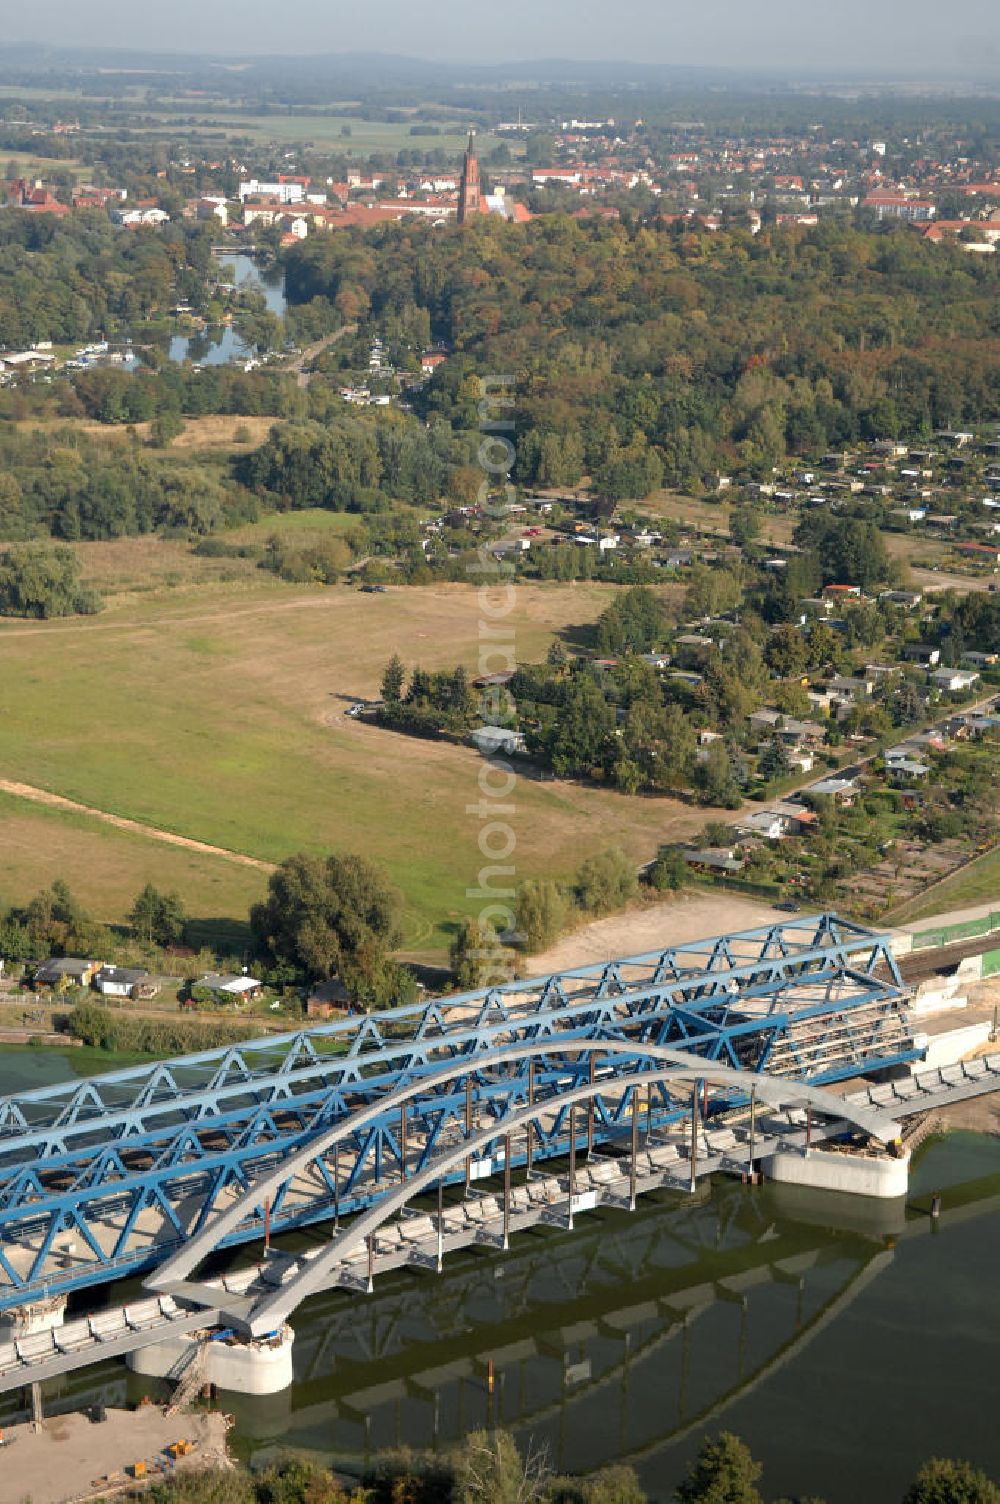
<point x="126" y="1167"/>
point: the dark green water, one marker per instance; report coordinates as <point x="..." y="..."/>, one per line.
<point x="843" y="1340"/>
<point x="25" y="1067"/>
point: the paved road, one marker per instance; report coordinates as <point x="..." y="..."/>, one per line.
<point x="302" y="375"/>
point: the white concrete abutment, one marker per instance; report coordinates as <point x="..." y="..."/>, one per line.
<point x="242" y="1365"/>
<point x="884" y="1177"/>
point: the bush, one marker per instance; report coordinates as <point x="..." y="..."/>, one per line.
<point x="669" y="872"/>
<point x="103" y="1029"/>
<point x="606" y="882"/>
<point x="543" y="912"/>
<point x="40" y="581"/>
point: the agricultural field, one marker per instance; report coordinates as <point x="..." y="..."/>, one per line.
<point x="349" y="135"/>
<point x="214" y="435"/>
<point x="219" y="715"/>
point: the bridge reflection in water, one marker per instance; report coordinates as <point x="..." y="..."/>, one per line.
<point x="624" y="1339"/>
<point x="604" y="1344"/>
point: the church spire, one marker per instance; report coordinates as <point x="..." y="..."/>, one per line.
<point x="468" y="188"/>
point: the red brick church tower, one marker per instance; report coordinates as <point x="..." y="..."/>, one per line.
<point x="468" y="188"/>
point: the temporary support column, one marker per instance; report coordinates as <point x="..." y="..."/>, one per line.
<point x="336" y="1187"/>
<point x="468" y="1131"/>
<point x="694" y="1134"/>
<point x="634" y="1104"/>
<point x="590" y="1107"/>
<point x="506" y="1191"/>
<point x="529" y="1126"/>
<point x="572" y="1163"/>
<point x="370" y="1241"/>
<point x="440" y="1227"/>
<point x="753" y="1125"/>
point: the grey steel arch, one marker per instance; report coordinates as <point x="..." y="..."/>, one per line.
<point x="877" y="1124"/>
<point x="315" y="1275"/>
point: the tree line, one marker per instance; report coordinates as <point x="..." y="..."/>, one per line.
<point x="488" y="1468"/>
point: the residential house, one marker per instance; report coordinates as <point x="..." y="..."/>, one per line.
<point x="498" y="741"/>
<point x="780" y="821"/>
<point x="124" y="981"/>
<point x="906" y="770"/>
<point x="227" y="987"/>
<point x="953" y="680"/>
<point x="846" y="687"/>
<point x="786" y="728"/>
<point x="922" y="653"/>
<point x="329" y="999"/>
<point x="716" y="859"/>
<point x="60" y="972"/>
<point x="842" y="790"/>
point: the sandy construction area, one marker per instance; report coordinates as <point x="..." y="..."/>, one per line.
<point x="653" y="926"/>
<point x="72" y="1458"/>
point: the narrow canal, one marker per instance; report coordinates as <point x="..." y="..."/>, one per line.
<point x="219" y="345"/>
<point x="844" y="1340"/>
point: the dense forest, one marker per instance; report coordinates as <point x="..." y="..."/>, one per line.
<point x="67" y="279"/>
<point x="656" y="351"/>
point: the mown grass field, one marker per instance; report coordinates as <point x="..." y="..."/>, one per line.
<point x="107" y="867"/>
<point x="712" y="516"/>
<point x="218" y="713"/>
<point x="37" y="164"/>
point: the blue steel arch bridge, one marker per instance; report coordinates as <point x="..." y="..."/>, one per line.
<point x="149" y="1166"/>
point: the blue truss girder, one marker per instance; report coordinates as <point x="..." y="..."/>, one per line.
<point x="800" y="936"/>
<point x="713" y="1027"/>
<point x="174" y="1132"/>
<point x="232" y="1079"/>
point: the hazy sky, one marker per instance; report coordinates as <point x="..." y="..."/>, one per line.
<point x="888" y="36"/>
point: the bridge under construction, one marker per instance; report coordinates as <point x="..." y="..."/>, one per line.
<point x="643" y="1073"/>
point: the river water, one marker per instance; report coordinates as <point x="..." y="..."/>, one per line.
<point x="218" y="346"/>
<point x="844" y="1340"/>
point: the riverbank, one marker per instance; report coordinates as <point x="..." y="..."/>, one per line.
<point x="70" y="1458"/>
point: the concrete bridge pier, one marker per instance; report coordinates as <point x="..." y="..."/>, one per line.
<point x="243" y="1365"/>
<point x="879" y="1175"/>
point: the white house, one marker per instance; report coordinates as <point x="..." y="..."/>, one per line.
<point x="498" y="741"/>
<point x="953" y="679"/>
<point x="230" y="988"/>
<point x="121" y="981"/>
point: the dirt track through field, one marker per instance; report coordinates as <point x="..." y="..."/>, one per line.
<point x="56" y="801"/>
